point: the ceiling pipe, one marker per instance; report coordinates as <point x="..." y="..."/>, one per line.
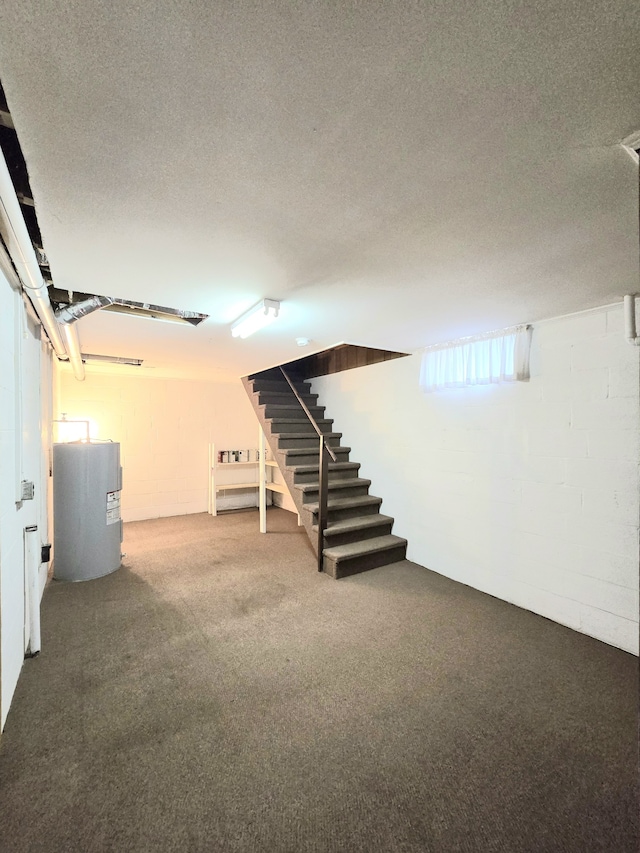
<point x="72" y="344"/>
<point x="630" y="320"/>
<point x="20" y="248"/>
<point x="66" y="318"/>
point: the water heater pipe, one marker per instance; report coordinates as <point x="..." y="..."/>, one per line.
<point x="630" y="320"/>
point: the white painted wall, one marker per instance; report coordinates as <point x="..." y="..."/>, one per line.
<point x="527" y="491"/>
<point x="164" y="427"/>
<point x="24" y="387"/>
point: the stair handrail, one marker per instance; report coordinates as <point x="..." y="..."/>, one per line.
<point x="323" y="470"/>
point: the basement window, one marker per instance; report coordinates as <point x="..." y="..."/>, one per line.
<point x="494" y="357"/>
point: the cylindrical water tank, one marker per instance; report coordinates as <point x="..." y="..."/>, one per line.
<point x="87" y="528"/>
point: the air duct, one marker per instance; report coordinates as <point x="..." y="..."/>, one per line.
<point x="66" y="317"/>
<point x="70" y="313"/>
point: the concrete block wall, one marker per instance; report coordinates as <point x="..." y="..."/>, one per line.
<point x="527" y="491"/>
<point x="164" y="427"/>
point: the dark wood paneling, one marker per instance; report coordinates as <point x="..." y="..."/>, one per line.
<point x="337" y="359"/>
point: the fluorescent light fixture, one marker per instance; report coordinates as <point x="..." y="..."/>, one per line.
<point x="258" y="317"/>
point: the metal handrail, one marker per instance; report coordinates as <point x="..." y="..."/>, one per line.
<point x="323" y="470"/>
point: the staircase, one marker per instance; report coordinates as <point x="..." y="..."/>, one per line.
<point x="357" y="537"/>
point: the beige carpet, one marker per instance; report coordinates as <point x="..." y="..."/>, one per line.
<point x="217" y="694"/>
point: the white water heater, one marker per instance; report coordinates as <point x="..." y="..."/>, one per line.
<point x="87" y="527"/>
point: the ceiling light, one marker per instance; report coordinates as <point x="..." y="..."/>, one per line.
<point x="258" y="317"/>
<point x="303" y="342"/>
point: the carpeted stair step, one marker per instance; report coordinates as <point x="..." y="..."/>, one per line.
<point x="300" y="424"/>
<point x="339" y="508"/>
<point x="284" y="397"/>
<point x="343" y="560"/>
<point x="272" y="385"/>
<point x="308" y="440"/>
<point x="336" y="489"/>
<point x="310" y="473"/>
<point x="292" y="410"/>
<point x="356" y="529"/>
<point x="294" y="456"/>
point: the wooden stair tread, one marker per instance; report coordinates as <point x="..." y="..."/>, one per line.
<point x="364" y="546"/>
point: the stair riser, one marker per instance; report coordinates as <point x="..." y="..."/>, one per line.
<point x="345" y="568"/>
<point x="346" y="492"/>
<point x="312" y="459"/>
<point x="293" y="410"/>
<point x="280" y="427"/>
<point x="287" y="399"/>
<point x="312" y="476"/>
<point x="382" y="529"/>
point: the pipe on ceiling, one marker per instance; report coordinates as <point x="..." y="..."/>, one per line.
<point x="72" y="345"/>
<point x="630" y="320"/>
<point x="24" y="258"/>
<point x="66" y="317"/>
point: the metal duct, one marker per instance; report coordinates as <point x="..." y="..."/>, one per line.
<point x="71" y="313"/>
<point x="66" y="317"/>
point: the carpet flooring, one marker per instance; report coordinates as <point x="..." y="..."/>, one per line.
<point x="217" y="694"/>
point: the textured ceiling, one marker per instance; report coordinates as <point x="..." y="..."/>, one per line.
<point x="397" y="173"/>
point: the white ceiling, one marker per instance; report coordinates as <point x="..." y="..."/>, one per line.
<point x="397" y="173"/>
